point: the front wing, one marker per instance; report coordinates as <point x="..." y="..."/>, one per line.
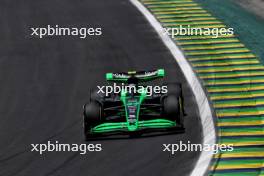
<point x="144" y="126"/>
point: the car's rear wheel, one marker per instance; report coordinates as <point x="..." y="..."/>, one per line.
<point x="174" y="89"/>
<point x="91" y="117"/>
<point x="95" y="95"/>
<point x="173" y="103"/>
<point x="171" y="109"/>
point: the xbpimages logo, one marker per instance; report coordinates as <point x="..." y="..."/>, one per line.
<point x="182" y="30"/>
<point x="182" y="147"/>
<point x="116" y="89"/>
<point x="82" y="32"/>
<point x="59" y="147"/>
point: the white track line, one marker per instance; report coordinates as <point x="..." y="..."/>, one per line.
<point x="209" y="134"/>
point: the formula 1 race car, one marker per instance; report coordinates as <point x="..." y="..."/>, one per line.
<point x="137" y="111"/>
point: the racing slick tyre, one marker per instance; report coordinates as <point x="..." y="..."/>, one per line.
<point x="96" y="96"/>
<point x="91" y="117"/>
<point x="174" y="89"/>
<point x="171" y="109"/>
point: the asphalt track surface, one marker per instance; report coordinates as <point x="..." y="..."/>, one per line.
<point x="45" y="82"/>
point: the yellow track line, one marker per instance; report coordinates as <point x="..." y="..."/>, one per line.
<point x="223" y="97"/>
<point x="166" y="2"/>
<point x="240" y="154"/>
<point x="244" y="123"/>
<point x="226" y="105"/>
<point x="175" y="5"/>
<point x="226" y="114"/>
<point x="249" y="74"/>
<point x="213" y="47"/>
<point x="185" y="15"/>
<point x="235" y="82"/>
<point x="193" y="26"/>
<point x="260" y="67"/>
<point x="186" y="9"/>
<point x="216" y="52"/>
<point x="226" y="63"/>
<point x="188" y="20"/>
<point x="261" y="132"/>
<point x="193" y="23"/>
<point x="237" y="166"/>
<point x="225" y="89"/>
<point x="202" y="37"/>
<point x="207" y="42"/>
<point x="243" y="143"/>
<point x="222" y="57"/>
<point x="181" y="12"/>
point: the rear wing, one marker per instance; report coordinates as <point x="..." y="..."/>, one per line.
<point x="140" y="76"/>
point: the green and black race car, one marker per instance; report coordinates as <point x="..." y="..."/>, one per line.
<point x="134" y="112"/>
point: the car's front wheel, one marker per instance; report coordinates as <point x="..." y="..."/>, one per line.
<point x="91" y="117"/>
